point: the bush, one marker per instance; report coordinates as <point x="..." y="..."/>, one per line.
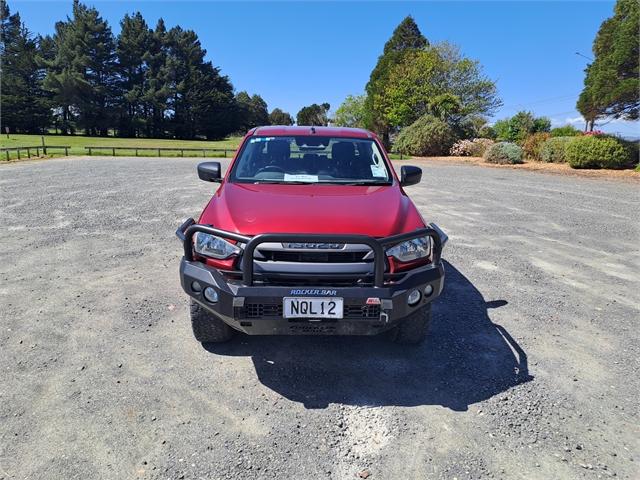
<point x="470" y="148"/>
<point x="532" y="145"/>
<point x="634" y="150"/>
<point x="566" y="131"/>
<point x="427" y="136"/>
<point x="597" y="152"/>
<point x="553" y="149"/>
<point x="518" y="127"/>
<point x="487" y="131"/>
<point x="503" y="152"/>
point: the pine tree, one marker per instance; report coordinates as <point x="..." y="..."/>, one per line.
<point x="252" y="111"/>
<point x="156" y="89"/>
<point x="278" y="117"/>
<point x="259" y="112"/>
<point x="612" y="81"/>
<point x="313" y="115"/>
<point x="82" y="75"/>
<point x="405" y="38"/>
<point x="24" y="107"/>
<point x="133" y="43"/>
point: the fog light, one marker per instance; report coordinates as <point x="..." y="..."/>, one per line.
<point x="211" y="295"/>
<point x="414" y="297"/>
<point x="196" y="287"/>
<point x="428" y="290"/>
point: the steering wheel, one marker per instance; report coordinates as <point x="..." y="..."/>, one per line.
<point x="270" y="168"/>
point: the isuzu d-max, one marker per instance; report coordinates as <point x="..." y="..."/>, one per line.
<point x="311" y="232"/>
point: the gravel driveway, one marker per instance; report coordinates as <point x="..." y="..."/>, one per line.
<point x="530" y="370"/>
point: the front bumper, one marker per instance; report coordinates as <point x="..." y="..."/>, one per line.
<point x="256" y="309"/>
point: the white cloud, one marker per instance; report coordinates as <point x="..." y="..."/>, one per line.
<point x="575" y="120"/>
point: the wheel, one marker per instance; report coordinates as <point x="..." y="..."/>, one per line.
<point x="413" y="329"/>
<point x="207" y="328"/>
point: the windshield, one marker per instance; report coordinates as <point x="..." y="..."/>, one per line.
<point x="311" y="159"/>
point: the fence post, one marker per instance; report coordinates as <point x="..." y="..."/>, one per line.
<point x="159" y="153"/>
<point x="44" y="148"/>
<point x="136" y="152"/>
<point x="37" y="151"/>
<point x="203" y="153"/>
<point x="225" y="153"/>
<point x="113" y="151"/>
<point x="89" y="150"/>
<point x="7" y="152"/>
<point x="181" y="153"/>
<point x="66" y="151"/>
<point x="18" y="154"/>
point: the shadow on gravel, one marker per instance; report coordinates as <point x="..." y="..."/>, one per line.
<point x="466" y="359"/>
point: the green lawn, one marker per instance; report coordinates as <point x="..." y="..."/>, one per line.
<point x="78" y="142"/>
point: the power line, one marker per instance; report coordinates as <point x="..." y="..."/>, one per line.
<point x="537" y="102"/>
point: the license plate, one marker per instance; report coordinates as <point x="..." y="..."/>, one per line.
<point x="312" y="307"/>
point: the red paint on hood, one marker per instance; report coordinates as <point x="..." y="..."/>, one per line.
<point x="251" y="209"/>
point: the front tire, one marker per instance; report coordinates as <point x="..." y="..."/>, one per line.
<point x="207" y="328"/>
<point x="414" y="328"/>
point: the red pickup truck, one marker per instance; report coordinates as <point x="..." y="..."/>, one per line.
<point x="311" y="232"/>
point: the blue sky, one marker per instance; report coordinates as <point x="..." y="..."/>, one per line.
<point x="297" y="53"/>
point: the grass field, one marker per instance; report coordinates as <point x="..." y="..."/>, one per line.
<point x="78" y="142"/>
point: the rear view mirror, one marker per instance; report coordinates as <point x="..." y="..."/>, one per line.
<point x="410" y="175"/>
<point x="209" y="171"/>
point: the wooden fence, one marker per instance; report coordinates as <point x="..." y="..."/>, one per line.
<point x="37" y="148"/>
<point x="159" y="150"/>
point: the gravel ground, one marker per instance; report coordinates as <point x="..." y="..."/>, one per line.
<point x="530" y="370"/>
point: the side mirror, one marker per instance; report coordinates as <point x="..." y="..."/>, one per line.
<point x="209" y="171"/>
<point x="410" y="175"/>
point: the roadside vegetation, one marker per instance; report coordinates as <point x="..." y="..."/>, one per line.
<point x="427" y="99"/>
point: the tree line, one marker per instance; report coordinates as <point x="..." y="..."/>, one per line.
<point x="144" y="82"/>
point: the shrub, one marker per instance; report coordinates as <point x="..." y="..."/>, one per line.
<point x="462" y="148"/>
<point x="516" y="128"/>
<point x="565" y="131"/>
<point x="470" y="148"/>
<point x="634" y="150"/>
<point x="503" y="152"/>
<point x="553" y="149"/>
<point x="427" y="136"/>
<point x="487" y="131"/>
<point x="597" y="152"/>
<point x="533" y="143"/>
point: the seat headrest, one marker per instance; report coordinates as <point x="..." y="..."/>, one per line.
<point x="279" y="148"/>
<point x="341" y="151"/>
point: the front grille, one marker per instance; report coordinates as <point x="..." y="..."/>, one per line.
<point x="361" y="311"/>
<point x="313" y="257"/>
<point x="261" y="310"/>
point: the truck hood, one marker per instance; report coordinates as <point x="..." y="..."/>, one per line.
<point x="251" y="209"/>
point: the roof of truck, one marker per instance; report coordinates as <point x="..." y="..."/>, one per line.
<point x="283" y="130"/>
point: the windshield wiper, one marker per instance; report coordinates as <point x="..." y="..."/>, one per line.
<point x="282" y="182"/>
<point x="360" y="183"/>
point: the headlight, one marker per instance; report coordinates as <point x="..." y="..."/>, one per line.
<point x="212" y="246"/>
<point x="411" y="249"/>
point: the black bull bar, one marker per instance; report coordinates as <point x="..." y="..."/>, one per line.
<point x="188" y="229"/>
